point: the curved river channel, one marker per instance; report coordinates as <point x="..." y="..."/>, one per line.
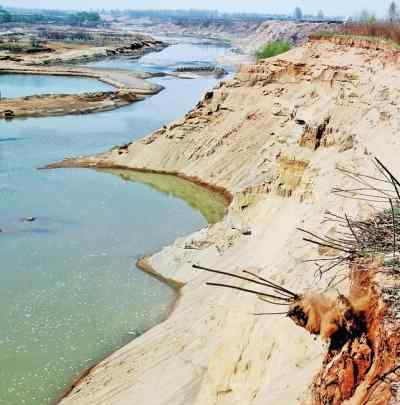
<point x="69" y="289"/>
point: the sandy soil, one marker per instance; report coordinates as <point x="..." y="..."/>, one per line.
<point x="274" y="138"/>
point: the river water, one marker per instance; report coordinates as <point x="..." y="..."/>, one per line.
<point x="12" y="85"/>
<point x="70" y="292"/>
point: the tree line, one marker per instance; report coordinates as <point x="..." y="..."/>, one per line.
<point x="83" y="18"/>
<point x="392" y="15"/>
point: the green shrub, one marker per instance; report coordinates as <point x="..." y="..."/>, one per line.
<point x="273" y="49"/>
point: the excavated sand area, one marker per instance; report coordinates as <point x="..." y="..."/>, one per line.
<point x="273" y="137"/>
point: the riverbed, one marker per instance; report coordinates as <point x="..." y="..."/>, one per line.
<point x="70" y="292"/>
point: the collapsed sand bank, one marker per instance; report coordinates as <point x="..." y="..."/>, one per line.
<point x="273" y="137"/>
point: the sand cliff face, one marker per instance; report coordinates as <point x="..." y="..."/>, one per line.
<point x="273" y="137"/>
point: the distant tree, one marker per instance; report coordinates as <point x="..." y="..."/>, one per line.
<point x="84" y="18"/>
<point x="35" y="42"/>
<point x="5" y="16"/>
<point x="393" y="12"/>
<point x="298" y="14"/>
<point x="366" y="17"/>
<point x="320" y="15"/>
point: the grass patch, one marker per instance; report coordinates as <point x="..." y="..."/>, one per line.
<point x="272" y="49"/>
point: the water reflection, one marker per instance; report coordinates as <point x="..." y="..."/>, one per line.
<point x="211" y="205"/>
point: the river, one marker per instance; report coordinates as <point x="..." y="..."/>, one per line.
<point x="70" y="292"/>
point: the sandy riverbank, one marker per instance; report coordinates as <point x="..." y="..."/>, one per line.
<point x="64" y="104"/>
<point x="57" y="44"/>
<point x="273" y="137"/>
<point x="119" y="78"/>
<point x="130" y="87"/>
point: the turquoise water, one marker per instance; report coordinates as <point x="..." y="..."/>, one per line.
<point x="70" y="292"/>
<point x="17" y="85"/>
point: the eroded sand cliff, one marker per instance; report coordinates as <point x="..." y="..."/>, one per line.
<point x="273" y="137"/>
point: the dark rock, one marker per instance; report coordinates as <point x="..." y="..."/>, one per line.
<point x="216" y="70"/>
<point x="209" y="95"/>
<point x="30" y="219"/>
<point x="8" y="114"/>
<point x="246" y="231"/>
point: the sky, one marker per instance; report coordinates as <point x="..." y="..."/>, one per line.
<point x="336" y="7"/>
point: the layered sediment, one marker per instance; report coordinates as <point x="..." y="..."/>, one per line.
<point x="273" y="138"/>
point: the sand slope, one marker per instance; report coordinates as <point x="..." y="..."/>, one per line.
<point x="273" y="137"/>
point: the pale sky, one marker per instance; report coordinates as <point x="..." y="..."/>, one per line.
<point x="336" y="7"/>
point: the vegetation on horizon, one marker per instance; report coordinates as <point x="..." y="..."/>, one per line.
<point x="5" y="16"/>
<point x="218" y="16"/>
<point x="368" y="27"/>
<point x="298" y="13"/>
<point x="393" y="12"/>
<point x="82" y="18"/>
<point x="378" y="31"/>
<point x="389" y="31"/>
<point x="272" y="49"/>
